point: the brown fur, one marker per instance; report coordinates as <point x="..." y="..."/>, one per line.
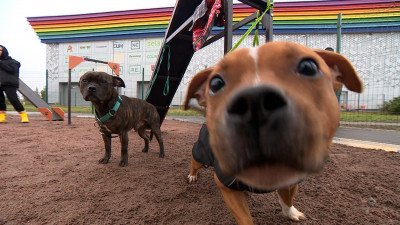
<point x="133" y="113"/>
<point x="271" y="123"/>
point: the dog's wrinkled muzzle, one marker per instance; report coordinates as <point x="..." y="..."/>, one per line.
<point x="91" y="89"/>
<point x="90" y="93"/>
<point x="261" y="127"/>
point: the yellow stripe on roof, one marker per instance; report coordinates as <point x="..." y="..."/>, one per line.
<point x="105" y="22"/>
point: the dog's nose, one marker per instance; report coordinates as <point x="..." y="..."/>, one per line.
<point x="91" y="88"/>
<point x="256" y="104"/>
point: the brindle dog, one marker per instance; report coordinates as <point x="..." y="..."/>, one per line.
<point x="99" y="88"/>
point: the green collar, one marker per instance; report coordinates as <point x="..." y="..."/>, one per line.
<point x="111" y="112"/>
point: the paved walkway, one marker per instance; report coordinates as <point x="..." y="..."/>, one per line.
<point x="387" y="140"/>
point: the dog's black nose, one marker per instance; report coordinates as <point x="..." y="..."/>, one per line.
<point x="91" y="88"/>
<point x="255" y="104"/>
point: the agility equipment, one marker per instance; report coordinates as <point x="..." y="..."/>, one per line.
<point x="178" y="49"/>
<point x="51" y="113"/>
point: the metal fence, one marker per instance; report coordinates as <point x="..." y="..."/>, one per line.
<point x="376" y="57"/>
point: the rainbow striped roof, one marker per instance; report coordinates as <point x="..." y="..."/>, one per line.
<point x="289" y="17"/>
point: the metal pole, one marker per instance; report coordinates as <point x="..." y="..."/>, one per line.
<point x="339" y="33"/>
<point x="228" y="10"/>
<point x="69" y="96"/>
<point x="338" y="46"/>
<point x="142" y="83"/>
<point x="267" y="23"/>
<point x="47" y="86"/>
<point x="95" y="60"/>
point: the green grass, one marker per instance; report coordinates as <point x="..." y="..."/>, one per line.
<point x="369" y="117"/>
<point x="88" y="109"/>
<point x="175" y="111"/>
<point x="181" y="112"/>
<point x="77" y="109"/>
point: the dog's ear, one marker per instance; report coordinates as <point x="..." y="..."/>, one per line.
<point x="197" y="87"/>
<point x="118" y="82"/>
<point x="342" y="71"/>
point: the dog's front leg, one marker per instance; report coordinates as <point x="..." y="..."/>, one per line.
<point x="107" y="145"/>
<point x="286" y="196"/>
<point x="124" y="138"/>
<point x="194" y="167"/>
<point x="236" y="202"/>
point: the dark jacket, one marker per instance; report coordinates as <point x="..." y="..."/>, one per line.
<point x="9" y="70"/>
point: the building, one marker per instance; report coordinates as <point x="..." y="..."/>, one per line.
<point x="370" y="39"/>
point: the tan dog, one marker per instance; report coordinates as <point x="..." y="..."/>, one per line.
<point x="271" y="115"/>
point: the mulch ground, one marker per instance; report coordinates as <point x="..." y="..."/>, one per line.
<point x="49" y="175"/>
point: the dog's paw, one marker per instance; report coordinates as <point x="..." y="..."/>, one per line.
<point x="123" y="163"/>
<point x="103" y="160"/>
<point x="294" y="214"/>
<point x="291" y="212"/>
<point x="192" y="179"/>
<point x="161" y="155"/>
<point x="145" y="150"/>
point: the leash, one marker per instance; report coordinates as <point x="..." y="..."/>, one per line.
<point x="166" y="86"/>
<point x="256" y="41"/>
<point x="270" y="5"/>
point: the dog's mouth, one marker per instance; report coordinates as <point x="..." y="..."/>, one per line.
<point x="269" y="151"/>
<point x="271" y="177"/>
<point x="91" y="97"/>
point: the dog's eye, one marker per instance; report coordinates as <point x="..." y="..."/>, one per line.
<point x="216" y="84"/>
<point x="83" y="80"/>
<point x="103" y="82"/>
<point x="308" y="67"/>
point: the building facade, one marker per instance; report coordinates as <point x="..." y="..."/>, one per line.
<point x="370" y="39"/>
<point x="136" y="57"/>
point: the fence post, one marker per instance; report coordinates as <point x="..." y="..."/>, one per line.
<point x="339" y="33"/>
<point x="47" y="85"/>
<point x="142" y="83"/>
<point x="69" y="96"/>
<point x="338" y="47"/>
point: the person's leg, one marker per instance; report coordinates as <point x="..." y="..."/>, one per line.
<point x="3" y="107"/>
<point x="12" y="96"/>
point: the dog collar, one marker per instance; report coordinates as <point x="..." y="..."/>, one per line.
<point x="111" y="113"/>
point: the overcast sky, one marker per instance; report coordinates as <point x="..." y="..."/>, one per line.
<point x="22" y="43"/>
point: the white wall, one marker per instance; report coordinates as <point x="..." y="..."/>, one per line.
<point x="376" y="57"/>
<point x="133" y="55"/>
